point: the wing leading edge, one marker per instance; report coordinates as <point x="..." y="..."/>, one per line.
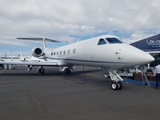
<point x="31" y="63"/>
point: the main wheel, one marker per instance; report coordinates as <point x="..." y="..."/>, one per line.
<point x="39" y="71"/>
<point x="42" y="72"/>
<point x="114" y="85"/>
<point x="67" y="70"/>
<point x="120" y="85"/>
<point x="30" y="67"/>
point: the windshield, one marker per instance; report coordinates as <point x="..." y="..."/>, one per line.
<point x="113" y="40"/>
<point x="101" y="42"/>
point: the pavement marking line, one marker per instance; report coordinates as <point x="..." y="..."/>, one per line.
<point x="2" y="70"/>
<point x="95" y="75"/>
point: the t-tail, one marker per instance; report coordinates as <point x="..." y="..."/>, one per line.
<point x="37" y="51"/>
<point x="21" y="58"/>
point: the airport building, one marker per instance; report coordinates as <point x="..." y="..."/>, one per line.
<point x="7" y="59"/>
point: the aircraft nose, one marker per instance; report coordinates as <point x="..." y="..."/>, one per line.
<point x="138" y="56"/>
<point x="149" y="58"/>
<point x="146" y="58"/>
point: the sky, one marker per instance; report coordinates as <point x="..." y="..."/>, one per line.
<point x="69" y="20"/>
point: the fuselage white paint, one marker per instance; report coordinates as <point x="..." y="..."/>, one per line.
<point x="87" y="52"/>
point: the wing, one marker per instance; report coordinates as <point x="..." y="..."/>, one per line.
<point x="31" y="63"/>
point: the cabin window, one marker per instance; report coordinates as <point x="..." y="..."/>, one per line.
<point x="60" y="52"/>
<point x="68" y="52"/>
<point x="74" y="51"/>
<point x="54" y="53"/>
<point x="113" y="40"/>
<point x="64" y="52"/>
<point x="57" y="53"/>
<point x="101" y="42"/>
<point x="51" y="53"/>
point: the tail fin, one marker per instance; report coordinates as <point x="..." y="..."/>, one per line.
<point x="40" y="39"/>
<point x="149" y="44"/>
<point x="21" y="58"/>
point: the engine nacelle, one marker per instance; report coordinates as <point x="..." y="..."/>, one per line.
<point x="37" y="52"/>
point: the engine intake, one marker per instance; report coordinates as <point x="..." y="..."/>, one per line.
<point x="37" y="52"/>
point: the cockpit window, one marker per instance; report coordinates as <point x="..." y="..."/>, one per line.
<point x="101" y="42"/>
<point x="113" y="40"/>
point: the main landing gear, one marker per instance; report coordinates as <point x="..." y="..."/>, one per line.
<point x="116" y="80"/>
<point x="66" y="69"/>
<point x="40" y="70"/>
<point x="29" y="68"/>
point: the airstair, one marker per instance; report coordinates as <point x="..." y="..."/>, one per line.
<point x="144" y="77"/>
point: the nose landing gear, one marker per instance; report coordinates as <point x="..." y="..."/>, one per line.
<point x="116" y="84"/>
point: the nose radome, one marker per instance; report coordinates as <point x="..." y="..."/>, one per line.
<point x="138" y="56"/>
<point x="147" y="58"/>
<point x="150" y="58"/>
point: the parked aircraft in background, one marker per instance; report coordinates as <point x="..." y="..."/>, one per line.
<point x="31" y="59"/>
<point x="107" y="52"/>
<point x="1" y="65"/>
<point x="150" y="45"/>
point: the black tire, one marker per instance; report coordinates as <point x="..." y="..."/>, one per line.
<point x="120" y="85"/>
<point x="42" y="71"/>
<point x="114" y="85"/>
<point x="30" y="68"/>
<point x="39" y="71"/>
<point x="67" y="70"/>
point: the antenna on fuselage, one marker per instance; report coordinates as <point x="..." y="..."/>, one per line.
<point x="77" y="40"/>
<point x="66" y="42"/>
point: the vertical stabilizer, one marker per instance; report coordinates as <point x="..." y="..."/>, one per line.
<point x="43" y="44"/>
<point x="21" y="58"/>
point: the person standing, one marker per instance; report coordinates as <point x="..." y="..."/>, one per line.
<point x="157" y="73"/>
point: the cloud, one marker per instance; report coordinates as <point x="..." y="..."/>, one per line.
<point x="73" y="19"/>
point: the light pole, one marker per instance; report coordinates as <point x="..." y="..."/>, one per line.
<point x="11" y="56"/>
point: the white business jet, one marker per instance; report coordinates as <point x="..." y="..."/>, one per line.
<point x="31" y="59"/>
<point x="107" y="52"/>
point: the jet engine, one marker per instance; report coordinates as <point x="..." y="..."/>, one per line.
<point x="37" y="52"/>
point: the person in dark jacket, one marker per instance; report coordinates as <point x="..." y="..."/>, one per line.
<point x="157" y="74"/>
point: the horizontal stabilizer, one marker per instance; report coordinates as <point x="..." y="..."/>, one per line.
<point x="39" y="39"/>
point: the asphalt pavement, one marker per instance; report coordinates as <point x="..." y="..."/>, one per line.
<point x="76" y="96"/>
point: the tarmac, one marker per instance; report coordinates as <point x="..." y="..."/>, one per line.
<point x="76" y="96"/>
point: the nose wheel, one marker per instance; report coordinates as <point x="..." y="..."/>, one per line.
<point x="116" y="85"/>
